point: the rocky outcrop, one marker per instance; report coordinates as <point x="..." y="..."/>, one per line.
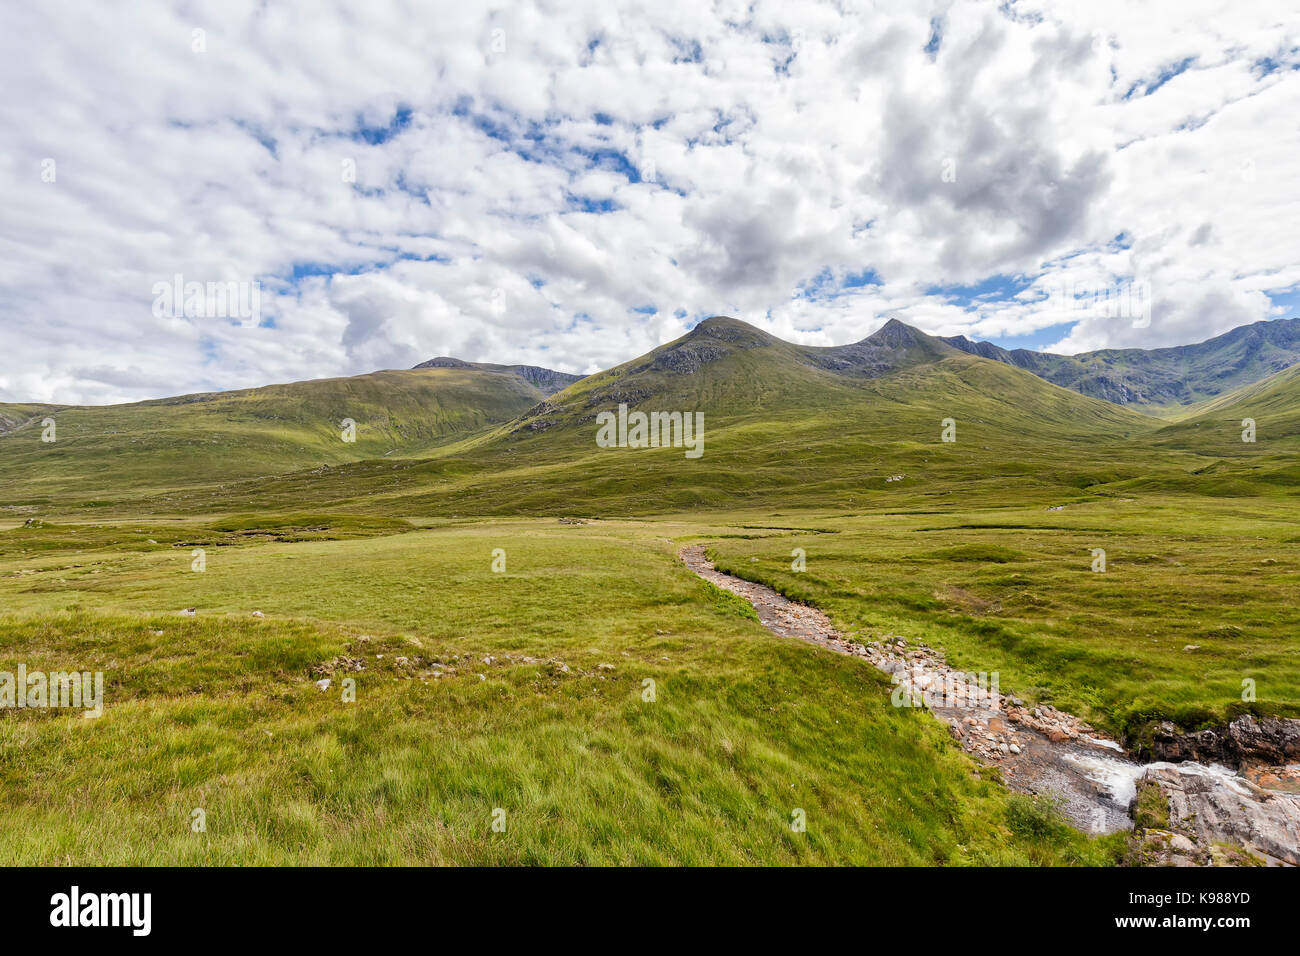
<point x="1247" y="740"/>
<point x="687" y="359"/>
<point x="1210" y="810"/>
<point x="546" y="380"/>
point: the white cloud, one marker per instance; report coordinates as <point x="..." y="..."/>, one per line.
<point x="550" y="172"/>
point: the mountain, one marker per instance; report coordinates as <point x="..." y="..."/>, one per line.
<point x="221" y="436"/>
<point x="784" y="425"/>
<point x="732" y="371"/>
<point x="1164" y="378"/>
<point x="546" y="380"/>
<point x="1274" y="400"/>
<point x="728" y="367"/>
<point x="1206" y="452"/>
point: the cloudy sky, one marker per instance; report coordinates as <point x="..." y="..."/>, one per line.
<point x="570" y="184"/>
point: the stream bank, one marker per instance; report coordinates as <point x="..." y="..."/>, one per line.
<point x="1211" y="812"/>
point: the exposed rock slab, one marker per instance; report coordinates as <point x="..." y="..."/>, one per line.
<point x="1214" y="806"/>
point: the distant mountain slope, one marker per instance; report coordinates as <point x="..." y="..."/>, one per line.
<point x="546" y="380"/>
<point x="220" y="436"/>
<point x="784" y="424"/>
<point x="12" y="416"/>
<point x="1160" y="378"/>
<point x="1215" y="433"/>
<point x="734" y="371"/>
<point x="1272" y="404"/>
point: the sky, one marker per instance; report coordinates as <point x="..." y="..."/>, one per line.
<point x="572" y="184"/>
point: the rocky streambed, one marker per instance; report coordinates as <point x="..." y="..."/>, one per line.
<point x="1206" y="812"/>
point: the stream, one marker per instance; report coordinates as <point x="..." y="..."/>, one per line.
<point x="1041" y="750"/>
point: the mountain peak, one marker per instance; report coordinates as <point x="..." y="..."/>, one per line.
<point x="724" y="326"/>
<point x="444" y="361"/>
<point x="719" y="321"/>
<point x="734" y="332"/>
<point x="896" y="334"/>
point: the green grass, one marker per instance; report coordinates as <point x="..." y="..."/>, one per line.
<point x="392" y="539"/>
<point x="1013" y="590"/>
<point x="219" y="712"/>
<point x="156" y="447"/>
<point x="1151" y="807"/>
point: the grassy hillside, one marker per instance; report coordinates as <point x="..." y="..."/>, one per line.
<point x="12" y="416"/>
<point x="1215" y="461"/>
<point x="547" y="380"/>
<point x="808" y="427"/>
<point x="1273" y="403"/>
<point x="784" y="425"/>
<point x="158" y="446"/>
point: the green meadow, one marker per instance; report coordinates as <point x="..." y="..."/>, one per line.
<point x="1192" y="619"/>
<point x="544" y="713"/>
<point x="510" y="687"/>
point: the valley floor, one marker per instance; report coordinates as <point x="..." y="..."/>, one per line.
<point x="590" y="700"/>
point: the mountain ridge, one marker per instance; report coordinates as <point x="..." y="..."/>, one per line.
<point x="780" y="414"/>
<point x="1167" y="377"/>
<point x="216" y="436"/>
<point x="547" y="380"/>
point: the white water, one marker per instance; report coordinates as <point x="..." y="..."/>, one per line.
<point x="1119" y="777"/>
